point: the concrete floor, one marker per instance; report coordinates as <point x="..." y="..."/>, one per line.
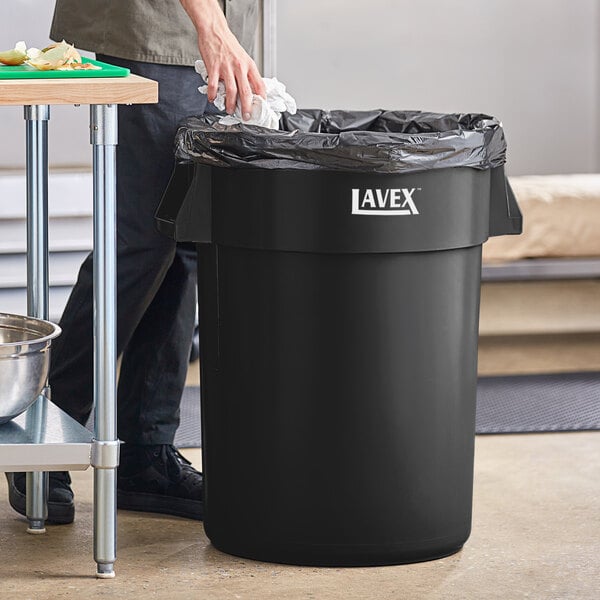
<point x="536" y="534"/>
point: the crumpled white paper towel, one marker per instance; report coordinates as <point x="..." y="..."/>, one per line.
<point x="265" y="113"/>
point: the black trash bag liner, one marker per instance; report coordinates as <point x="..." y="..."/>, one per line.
<point x="373" y="141"/>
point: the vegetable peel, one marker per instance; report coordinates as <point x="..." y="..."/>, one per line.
<point x="15" y="57"/>
<point x="60" y="56"/>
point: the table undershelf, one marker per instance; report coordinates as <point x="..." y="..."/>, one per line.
<point x="54" y="443"/>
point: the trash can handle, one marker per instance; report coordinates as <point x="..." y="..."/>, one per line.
<point x="505" y="215"/>
<point x="185" y="210"/>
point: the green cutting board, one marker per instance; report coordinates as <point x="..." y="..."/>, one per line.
<point x="27" y="72"/>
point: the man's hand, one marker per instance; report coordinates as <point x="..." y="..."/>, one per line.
<point x="223" y="56"/>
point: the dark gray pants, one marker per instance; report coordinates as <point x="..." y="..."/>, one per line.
<point x="155" y="277"/>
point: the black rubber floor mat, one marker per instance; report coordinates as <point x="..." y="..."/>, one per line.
<point x="536" y="403"/>
<point x="511" y="404"/>
<point x="189" y="433"/>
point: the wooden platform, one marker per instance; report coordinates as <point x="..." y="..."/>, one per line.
<point x="539" y="327"/>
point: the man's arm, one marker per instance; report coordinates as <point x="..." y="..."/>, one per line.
<point x="223" y="56"/>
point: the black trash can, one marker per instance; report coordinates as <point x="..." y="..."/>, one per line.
<point x="339" y="274"/>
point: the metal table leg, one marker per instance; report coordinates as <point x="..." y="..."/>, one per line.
<point x="36" y="118"/>
<point x="105" y="447"/>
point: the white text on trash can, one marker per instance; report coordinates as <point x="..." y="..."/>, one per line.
<point x="377" y="201"/>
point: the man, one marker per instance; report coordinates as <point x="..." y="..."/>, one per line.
<point x="158" y="39"/>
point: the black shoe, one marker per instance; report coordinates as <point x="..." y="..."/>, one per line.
<point x="159" y="479"/>
<point x="61" y="508"/>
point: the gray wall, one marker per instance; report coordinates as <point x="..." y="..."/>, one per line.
<point x="68" y="143"/>
<point x="532" y="63"/>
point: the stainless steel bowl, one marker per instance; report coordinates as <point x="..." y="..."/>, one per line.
<point x="24" y="361"/>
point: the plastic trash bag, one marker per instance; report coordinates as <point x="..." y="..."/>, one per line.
<point x="373" y="141"/>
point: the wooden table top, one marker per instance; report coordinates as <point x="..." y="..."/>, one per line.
<point x="132" y="89"/>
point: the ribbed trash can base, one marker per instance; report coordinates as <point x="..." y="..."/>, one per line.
<point x="336" y="432"/>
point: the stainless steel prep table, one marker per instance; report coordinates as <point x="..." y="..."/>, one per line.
<point x="44" y="438"/>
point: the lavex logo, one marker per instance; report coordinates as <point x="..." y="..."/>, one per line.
<point x="384" y="202"/>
